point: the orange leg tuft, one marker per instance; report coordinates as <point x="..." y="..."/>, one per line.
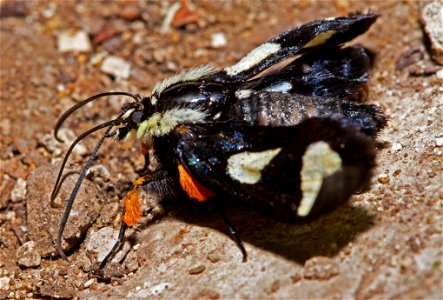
<point x="133" y="208"/>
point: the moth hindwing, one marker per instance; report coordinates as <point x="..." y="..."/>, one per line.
<point x="292" y="142"/>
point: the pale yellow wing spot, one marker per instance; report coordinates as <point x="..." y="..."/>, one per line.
<point x="319" y="161"/>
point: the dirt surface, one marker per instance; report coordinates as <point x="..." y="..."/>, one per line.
<point x="386" y="243"/>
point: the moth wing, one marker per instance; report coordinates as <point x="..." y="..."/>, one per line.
<point x="332" y="72"/>
<point x="290" y="172"/>
<point x="305" y="38"/>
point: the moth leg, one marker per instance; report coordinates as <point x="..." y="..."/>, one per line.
<point x="145" y="151"/>
<point x="161" y="182"/>
<point x="118" y="243"/>
<point x="132" y="211"/>
<point x="157" y="182"/>
<point x="232" y="231"/>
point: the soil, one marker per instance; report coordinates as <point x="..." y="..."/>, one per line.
<point x="386" y="243"/>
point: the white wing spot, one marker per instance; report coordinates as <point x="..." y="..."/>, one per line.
<point x="242" y="94"/>
<point x="321" y="38"/>
<point x="319" y="161"/>
<point x="252" y="58"/>
<point x="246" y="167"/>
<point x="217" y="116"/>
<point x="282" y="87"/>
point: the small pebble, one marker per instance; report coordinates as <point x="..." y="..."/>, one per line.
<point x="28" y="256"/>
<point x="19" y="191"/>
<point x="218" y="40"/>
<point x="77" y="42"/>
<point x="97" y="58"/>
<point x="296" y="278"/>
<point x="383" y="178"/>
<point x="89" y="283"/>
<point x="10" y="215"/>
<point x="49" y="12"/>
<point x="196" y="269"/>
<point x="214" y="257"/>
<point x="5" y="126"/>
<point x="4" y="283"/>
<point x="320" y="268"/>
<point x="130" y="12"/>
<point x="67" y="136"/>
<point x="439" y="141"/>
<point x="131" y="262"/>
<point x="396" y="147"/>
<point x="171" y="66"/>
<point x="439" y="74"/>
<point x="159" y="288"/>
<point x="159" y="56"/>
<point x="406" y="263"/>
<point x="113" y="271"/>
<point x="116" y="66"/>
<point x="98" y="171"/>
<point x="169" y="15"/>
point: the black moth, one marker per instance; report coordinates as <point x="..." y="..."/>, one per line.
<point x="290" y="141"/>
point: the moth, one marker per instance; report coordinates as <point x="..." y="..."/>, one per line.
<point x="281" y="130"/>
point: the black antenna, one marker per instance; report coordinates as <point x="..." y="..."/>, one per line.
<point x="76" y="189"/>
<point x="67" y="113"/>
<point x="65" y="159"/>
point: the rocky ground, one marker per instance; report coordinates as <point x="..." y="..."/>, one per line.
<point x="386" y="243"/>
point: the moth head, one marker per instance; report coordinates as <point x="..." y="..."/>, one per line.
<point x="133" y="114"/>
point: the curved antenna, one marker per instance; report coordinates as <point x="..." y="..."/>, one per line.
<point x="76" y="189"/>
<point x="71" y="147"/>
<point x="67" y="113"/>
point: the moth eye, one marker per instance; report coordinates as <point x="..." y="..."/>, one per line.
<point x="137" y="117"/>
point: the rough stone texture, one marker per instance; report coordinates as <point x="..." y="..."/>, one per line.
<point x="44" y="220"/>
<point x="432" y="18"/>
<point x="385" y="244"/>
<point x="320" y="268"/>
<point x="101" y="242"/>
<point x="28" y="256"/>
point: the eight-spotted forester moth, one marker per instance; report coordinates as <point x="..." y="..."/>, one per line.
<point x="289" y="141"/>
